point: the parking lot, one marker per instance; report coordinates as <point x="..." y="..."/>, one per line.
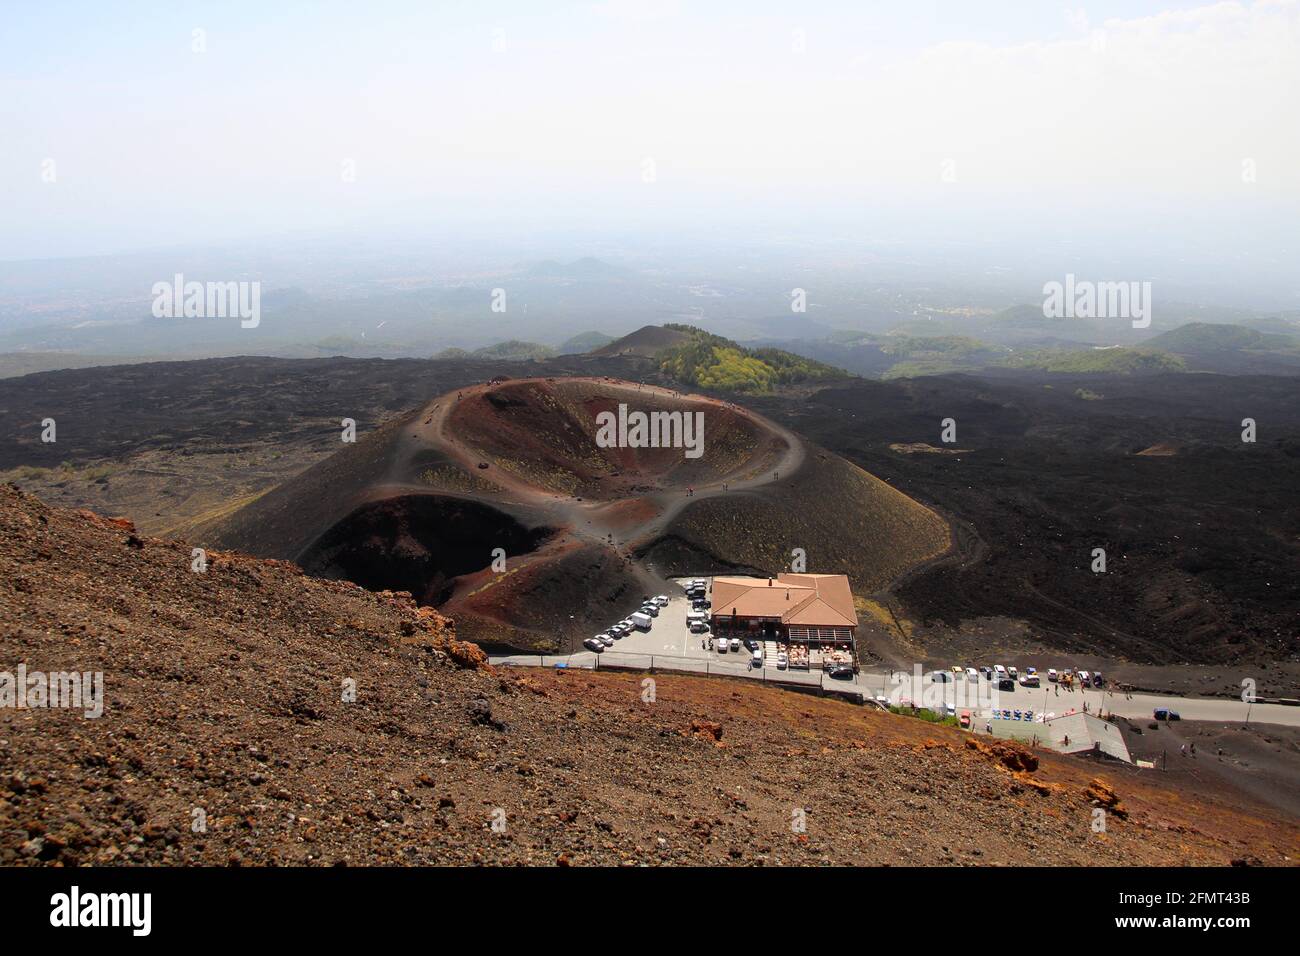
<point x="669" y="645"/>
<point x="668" y="634"/>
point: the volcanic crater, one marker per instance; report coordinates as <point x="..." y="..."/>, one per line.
<point x="498" y="504"/>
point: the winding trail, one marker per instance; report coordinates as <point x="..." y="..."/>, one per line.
<point x="594" y="519"/>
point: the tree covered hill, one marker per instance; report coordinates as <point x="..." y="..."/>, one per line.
<point x="710" y="361"/>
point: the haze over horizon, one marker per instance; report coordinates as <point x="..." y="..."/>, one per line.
<point x="993" y="134"/>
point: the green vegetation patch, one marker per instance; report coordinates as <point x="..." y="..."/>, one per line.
<point x="713" y="362"/>
<point x="1121" y="361"/>
<point x="922" y="713"/>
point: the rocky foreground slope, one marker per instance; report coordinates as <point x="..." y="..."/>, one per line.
<point x="225" y="704"/>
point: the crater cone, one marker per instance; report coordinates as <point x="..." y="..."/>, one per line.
<point x="498" y="504"/>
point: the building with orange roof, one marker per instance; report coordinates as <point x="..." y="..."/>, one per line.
<point x="803" y="609"/>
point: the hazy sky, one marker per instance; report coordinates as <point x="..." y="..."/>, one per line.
<point x="1133" y="122"/>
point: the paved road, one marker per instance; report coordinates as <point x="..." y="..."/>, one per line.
<point x="877" y="683"/>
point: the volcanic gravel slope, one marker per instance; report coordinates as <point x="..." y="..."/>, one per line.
<point x="421" y="503"/>
<point x="224" y="695"/>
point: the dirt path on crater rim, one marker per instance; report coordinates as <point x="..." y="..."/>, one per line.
<point x="598" y="520"/>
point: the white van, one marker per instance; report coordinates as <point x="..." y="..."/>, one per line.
<point x="641" y="621"/>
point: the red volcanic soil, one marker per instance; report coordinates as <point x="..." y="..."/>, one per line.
<point x="545" y="432"/>
<point x="222" y="692"/>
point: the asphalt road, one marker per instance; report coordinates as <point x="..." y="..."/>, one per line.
<point x="877" y="683"/>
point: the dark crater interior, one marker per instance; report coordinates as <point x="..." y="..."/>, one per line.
<point x="417" y="543"/>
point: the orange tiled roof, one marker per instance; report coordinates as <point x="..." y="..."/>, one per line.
<point x="815" y="600"/>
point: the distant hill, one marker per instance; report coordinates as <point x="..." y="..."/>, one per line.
<point x="647" y="341"/>
<point x="512" y="350"/>
<point x="1234" y="349"/>
<point x="584" y="342"/>
<point x="1204" y="337"/>
<point x="710" y="361"/>
<point x="695" y="357"/>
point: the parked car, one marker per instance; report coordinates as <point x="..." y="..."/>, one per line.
<point x="956" y="671"/>
<point x="605" y="639"/>
<point x="1051" y="674"/>
<point x="592" y="644"/>
<point x="1028" y="680"/>
<point x="940" y="677"/>
<point x="661" y="600"/>
<point x="758" y="658"/>
<point x="735" y="643"/>
<point x="652" y="609"/>
<point x="972" y="675"/>
<point x="963" y="720"/>
<point x="1006" y="684"/>
<point x="1000" y="671"/>
<point x="987" y="672"/>
<point x="1012" y="672"/>
<point x="1164" y="713"/>
<point x="1097" y="679"/>
<point x="722" y="645"/>
<point x="782" y="662"/>
<point x="699" y="627"/>
<point x="841" y="672"/>
<point x="1084" y="678"/>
